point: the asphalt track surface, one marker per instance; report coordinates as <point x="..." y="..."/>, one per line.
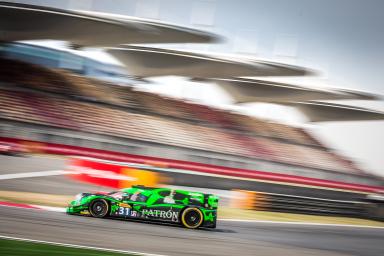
<point x="230" y="238"/>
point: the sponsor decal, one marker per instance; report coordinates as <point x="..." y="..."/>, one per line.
<point x="209" y="217"/>
<point x="124" y="205"/>
<point x="133" y="213"/>
<point x="171" y="215"/>
<point x="114" y="208"/>
<point x="84" y="212"/>
<point x="124" y="211"/>
<point x="169" y="200"/>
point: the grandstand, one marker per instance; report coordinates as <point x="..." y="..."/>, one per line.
<point x="56" y="101"/>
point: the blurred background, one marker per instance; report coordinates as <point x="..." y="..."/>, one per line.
<point x="276" y="106"/>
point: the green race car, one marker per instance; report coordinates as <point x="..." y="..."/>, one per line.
<point x="190" y="209"/>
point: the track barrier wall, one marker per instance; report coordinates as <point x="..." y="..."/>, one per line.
<point x="260" y="201"/>
<point x="194" y="168"/>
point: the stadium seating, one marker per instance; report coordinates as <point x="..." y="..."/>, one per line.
<point x="58" y="98"/>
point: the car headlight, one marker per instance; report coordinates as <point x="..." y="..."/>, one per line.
<point x="78" y="197"/>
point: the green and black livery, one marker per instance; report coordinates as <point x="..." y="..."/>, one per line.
<point x="190" y="209"/>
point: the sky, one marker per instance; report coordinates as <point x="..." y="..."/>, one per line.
<point x="342" y="40"/>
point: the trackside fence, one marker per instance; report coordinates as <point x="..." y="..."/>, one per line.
<point x="298" y="204"/>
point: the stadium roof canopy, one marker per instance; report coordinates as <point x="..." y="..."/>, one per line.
<point x="151" y="62"/>
<point x="326" y="112"/>
<point x="30" y="22"/>
<point x="251" y="90"/>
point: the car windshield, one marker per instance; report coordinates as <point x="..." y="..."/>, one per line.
<point x="117" y="194"/>
<point x="139" y="197"/>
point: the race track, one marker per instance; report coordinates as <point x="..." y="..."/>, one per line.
<point x="57" y="184"/>
<point x="230" y="238"/>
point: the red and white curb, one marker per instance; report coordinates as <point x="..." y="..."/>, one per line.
<point x="62" y="210"/>
<point x="32" y="206"/>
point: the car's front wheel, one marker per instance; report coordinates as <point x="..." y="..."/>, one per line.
<point x="192" y="218"/>
<point x="99" y="208"/>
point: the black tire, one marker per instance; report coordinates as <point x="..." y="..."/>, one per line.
<point x="192" y="218"/>
<point x="99" y="208"/>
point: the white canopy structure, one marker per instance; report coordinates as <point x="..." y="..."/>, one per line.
<point x="326" y="112"/>
<point x="226" y="72"/>
<point x="251" y="90"/>
<point x="90" y="29"/>
<point x="151" y="62"/>
<point x="30" y="22"/>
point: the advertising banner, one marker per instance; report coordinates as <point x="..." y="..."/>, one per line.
<point x="109" y="175"/>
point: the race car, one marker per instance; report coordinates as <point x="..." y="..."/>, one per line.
<point x="186" y="208"/>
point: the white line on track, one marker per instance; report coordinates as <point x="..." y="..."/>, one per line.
<point x="31" y="174"/>
<point x="78" y="246"/>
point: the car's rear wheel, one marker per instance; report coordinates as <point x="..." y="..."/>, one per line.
<point x="99" y="208"/>
<point x="192" y="218"/>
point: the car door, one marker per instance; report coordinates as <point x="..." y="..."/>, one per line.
<point x="162" y="206"/>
